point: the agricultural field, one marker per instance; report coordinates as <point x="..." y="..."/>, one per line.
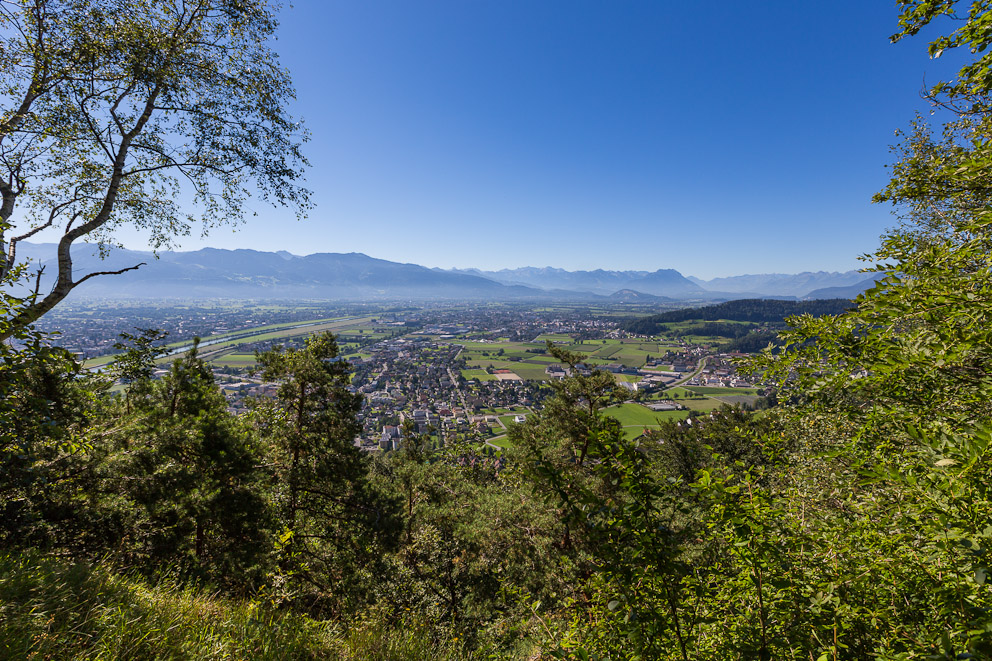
<point x="635" y="418"/>
<point x="481" y="375"/>
<point x="529" y="359"/>
<point x="708" y="399"/>
<point x="525" y="359"/>
<point x="235" y="360"/>
<point x="526" y="371"/>
<point x="716" y="392"/>
<point x="632" y="353"/>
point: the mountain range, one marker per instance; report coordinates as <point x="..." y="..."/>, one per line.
<point x="663" y="282"/>
<point x="218" y="273"/>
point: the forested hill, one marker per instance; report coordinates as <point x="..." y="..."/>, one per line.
<point x="750" y="309"/>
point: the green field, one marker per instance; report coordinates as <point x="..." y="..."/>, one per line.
<point x="527" y="371"/>
<point x="705" y="390"/>
<point x="636" y="418"/>
<point x="632" y="353"/>
<point x="235" y="360"/>
<point x="703" y="404"/>
<point x="481" y="375"/>
<point x="554" y="337"/>
<point x="693" y="401"/>
<point x="632" y="414"/>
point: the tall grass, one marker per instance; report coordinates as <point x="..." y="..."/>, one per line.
<point x="53" y="610"/>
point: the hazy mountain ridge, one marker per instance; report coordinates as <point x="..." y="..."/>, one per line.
<point x="663" y="282"/>
<point x="782" y="284"/>
<point x="242" y="273"/>
<point x="851" y="291"/>
<point x="213" y="272"/>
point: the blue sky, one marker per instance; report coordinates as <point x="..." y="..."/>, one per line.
<point x="716" y="138"/>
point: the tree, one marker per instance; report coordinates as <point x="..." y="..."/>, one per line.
<point x="331" y="517"/>
<point x="117" y="109"/>
<point x="938" y="183"/>
<point x="190" y="479"/>
<point x="624" y="530"/>
<point x="46" y="406"/>
<point x="133" y="367"/>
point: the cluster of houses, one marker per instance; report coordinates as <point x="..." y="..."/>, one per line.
<point x="414" y="382"/>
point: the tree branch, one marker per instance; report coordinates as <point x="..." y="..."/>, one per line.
<point x="93" y="275"/>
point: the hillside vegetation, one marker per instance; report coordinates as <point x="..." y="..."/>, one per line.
<point x="758" y="310"/>
<point x="59" y="610"/>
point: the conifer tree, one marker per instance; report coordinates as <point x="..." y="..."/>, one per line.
<point x="191" y="473"/>
<point x="332" y="520"/>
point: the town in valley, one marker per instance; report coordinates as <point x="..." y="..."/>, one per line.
<point x="456" y="373"/>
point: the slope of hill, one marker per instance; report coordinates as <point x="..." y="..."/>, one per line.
<point x="754" y="310"/>
<point x="632" y="296"/>
<point x="850" y="292"/>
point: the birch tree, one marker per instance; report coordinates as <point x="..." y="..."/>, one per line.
<point x="158" y="114"/>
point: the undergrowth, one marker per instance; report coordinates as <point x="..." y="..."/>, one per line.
<point x="54" y="610"/>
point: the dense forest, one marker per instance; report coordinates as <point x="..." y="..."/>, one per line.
<point x="753" y="342"/>
<point x="851" y="521"/>
<point x="757" y="310"/>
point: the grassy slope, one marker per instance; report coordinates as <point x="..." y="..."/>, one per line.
<point x="50" y="610"/>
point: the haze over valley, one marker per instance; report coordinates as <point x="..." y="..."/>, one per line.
<point x="219" y="273"/>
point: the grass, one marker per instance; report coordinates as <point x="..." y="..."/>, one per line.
<point x="636" y="418"/>
<point x="704" y="404"/>
<point x="527" y="371"/>
<point x="53" y="610"/>
<point x="507" y="420"/>
<point x="554" y="337"/>
<point x="691" y="399"/>
<point x="633" y="414"/>
<point x="481" y="375"/>
<point x="235" y="360"/>
<point x="705" y="390"/>
<point x="732" y="400"/>
<point x="609" y="351"/>
<point x="630" y="433"/>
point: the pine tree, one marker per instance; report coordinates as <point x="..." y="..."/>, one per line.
<point x="191" y="477"/>
<point x="333" y="522"/>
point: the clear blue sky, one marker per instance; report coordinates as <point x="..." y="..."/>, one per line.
<point x="716" y="138"/>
